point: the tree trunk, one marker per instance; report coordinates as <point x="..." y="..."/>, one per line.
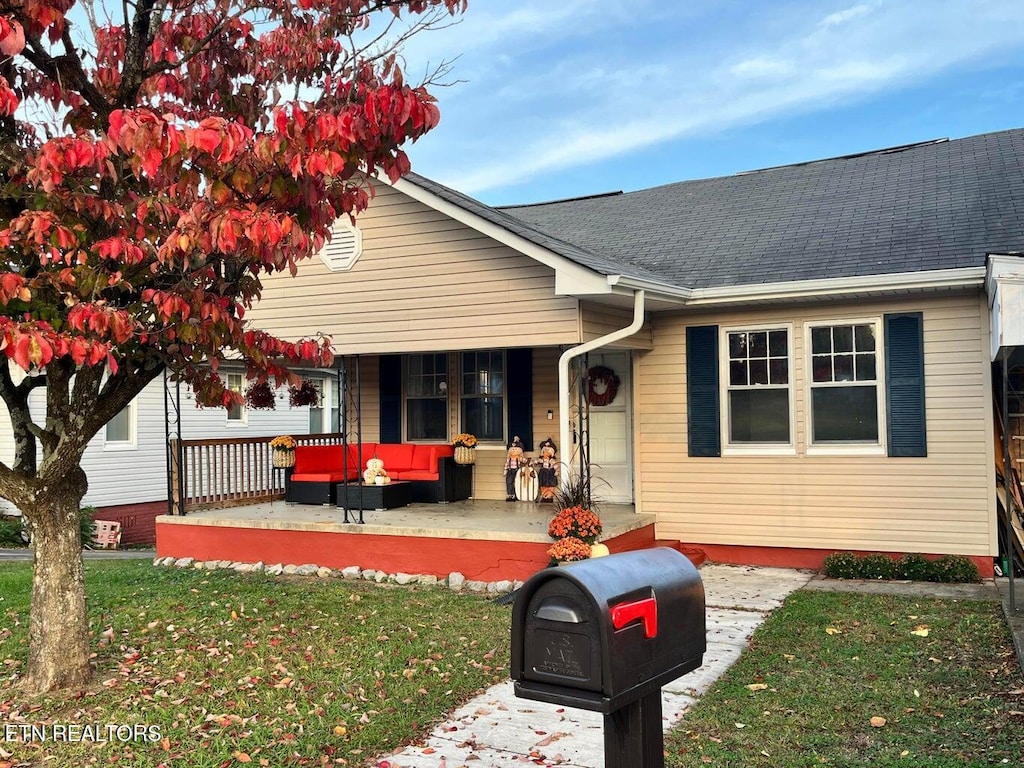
<point x="58" y="655"/>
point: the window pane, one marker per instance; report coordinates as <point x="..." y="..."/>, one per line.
<point x="779" y="371"/>
<point x="866" y="367"/>
<point x="483" y="417"/>
<point x="737" y="345"/>
<point x="234" y="382"/>
<point x="738" y="373"/>
<point x="822" y="367"/>
<point x="821" y="340"/>
<point x="316" y="421"/>
<point x="759" y="344"/>
<point x="426" y="419"/>
<point x="844" y="367"/>
<point x="777" y="344"/>
<point x="865" y="338"/>
<point x="758" y="371"/>
<point x="842" y="338"/>
<point x="119" y="427"/>
<point x="845" y="413"/>
<point x="759" y="416"/>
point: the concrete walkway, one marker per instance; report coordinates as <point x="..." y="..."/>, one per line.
<point x="496" y="729"/>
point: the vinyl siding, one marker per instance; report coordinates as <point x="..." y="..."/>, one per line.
<point x="940" y="504"/>
<point x="596" y="320"/>
<point x="424" y="283"/>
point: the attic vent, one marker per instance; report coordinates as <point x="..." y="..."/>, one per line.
<point x="346" y="244"/>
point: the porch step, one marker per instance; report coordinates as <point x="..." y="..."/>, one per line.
<point x="695" y="555"/>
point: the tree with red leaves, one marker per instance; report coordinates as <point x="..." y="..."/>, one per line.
<point x="156" y="158"/>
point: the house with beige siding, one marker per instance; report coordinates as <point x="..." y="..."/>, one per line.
<point x="803" y="354"/>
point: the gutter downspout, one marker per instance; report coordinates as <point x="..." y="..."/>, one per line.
<point x="564" y="427"/>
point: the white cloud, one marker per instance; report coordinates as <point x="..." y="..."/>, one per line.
<point x="841" y="17"/>
<point x="562" y="100"/>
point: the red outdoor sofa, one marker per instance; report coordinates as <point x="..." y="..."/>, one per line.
<point x="431" y="469"/>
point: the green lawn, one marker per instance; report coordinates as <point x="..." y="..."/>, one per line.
<point x="233" y="668"/>
<point x="823" y="666"/>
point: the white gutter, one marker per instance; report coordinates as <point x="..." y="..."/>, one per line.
<point x="963" y="277"/>
<point x="564" y="426"/>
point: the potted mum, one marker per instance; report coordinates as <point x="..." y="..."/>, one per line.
<point x="569" y="550"/>
<point x="284" y="450"/>
<point x="465" y="448"/>
<point x="575" y="522"/>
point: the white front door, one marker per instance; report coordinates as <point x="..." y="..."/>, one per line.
<point x="611" y="443"/>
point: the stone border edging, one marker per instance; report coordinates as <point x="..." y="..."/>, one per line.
<point x="455" y="581"/>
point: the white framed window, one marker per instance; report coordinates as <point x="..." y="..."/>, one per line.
<point x="845" y="403"/>
<point x="426" y="397"/>
<point x="757" y="377"/>
<point x="482" y="410"/>
<point x="324" y="416"/>
<point x="121" y="432"/>
<point x="237" y="414"/>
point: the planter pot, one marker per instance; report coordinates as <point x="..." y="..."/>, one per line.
<point x="464" y="455"/>
<point x="284" y="458"/>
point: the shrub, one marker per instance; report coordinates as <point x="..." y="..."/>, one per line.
<point x="954" y="569"/>
<point x="85" y="524"/>
<point x="10" y="532"/>
<point x="948" y="568"/>
<point x="877" y="566"/>
<point x="842" y="565"/>
<point x="914" y="568"/>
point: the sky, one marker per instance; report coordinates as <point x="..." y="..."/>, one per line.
<point x="577" y="97"/>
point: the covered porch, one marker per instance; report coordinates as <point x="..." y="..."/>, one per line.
<point x="484" y="540"/>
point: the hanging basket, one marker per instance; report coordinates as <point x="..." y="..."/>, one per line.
<point x="284" y="458"/>
<point x="464" y="455"/>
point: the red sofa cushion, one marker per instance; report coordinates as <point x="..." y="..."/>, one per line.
<point x="353" y="455"/>
<point x="323" y="477"/>
<point x="416" y="474"/>
<point x="317" y="458"/>
<point x="422" y="456"/>
<point x="396" y="456"/>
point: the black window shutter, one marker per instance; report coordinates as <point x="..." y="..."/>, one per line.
<point x="390" y="378"/>
<point x="904" y="384"/>
<point x="519" y="391"/>
<point x="702" y="406"/>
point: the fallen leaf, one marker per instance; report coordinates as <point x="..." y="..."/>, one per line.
<point x="833" y="631"/>
<point x="241" y="757"/>
<point x="920" y="630"/>
<point x="878" y="722"/>
<point x="757" y="687"/>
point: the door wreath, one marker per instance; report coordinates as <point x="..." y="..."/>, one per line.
<point x="602" y="385"/>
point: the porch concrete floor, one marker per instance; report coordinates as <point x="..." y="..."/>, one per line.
<point x="472" y="519"/>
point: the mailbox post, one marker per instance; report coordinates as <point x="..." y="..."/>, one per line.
<point x="606" y="635"/>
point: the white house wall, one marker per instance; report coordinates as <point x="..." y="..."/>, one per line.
<point x="131" y="475"/>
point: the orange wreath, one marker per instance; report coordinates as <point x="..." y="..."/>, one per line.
<point x="602" y="376"/>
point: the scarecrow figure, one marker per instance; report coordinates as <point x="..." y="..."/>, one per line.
<point x="547" y="471"/>
<point x="513" y="462"/>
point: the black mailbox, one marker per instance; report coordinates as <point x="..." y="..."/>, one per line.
<point x="603" y="633"/>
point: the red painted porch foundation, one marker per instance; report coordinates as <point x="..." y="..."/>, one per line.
<point x="476" y="559"/>
<point x="789" y="557"/>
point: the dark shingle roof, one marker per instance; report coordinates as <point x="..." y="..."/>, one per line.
<point x="598" y="262"/>
<point x="936" y="205"/>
